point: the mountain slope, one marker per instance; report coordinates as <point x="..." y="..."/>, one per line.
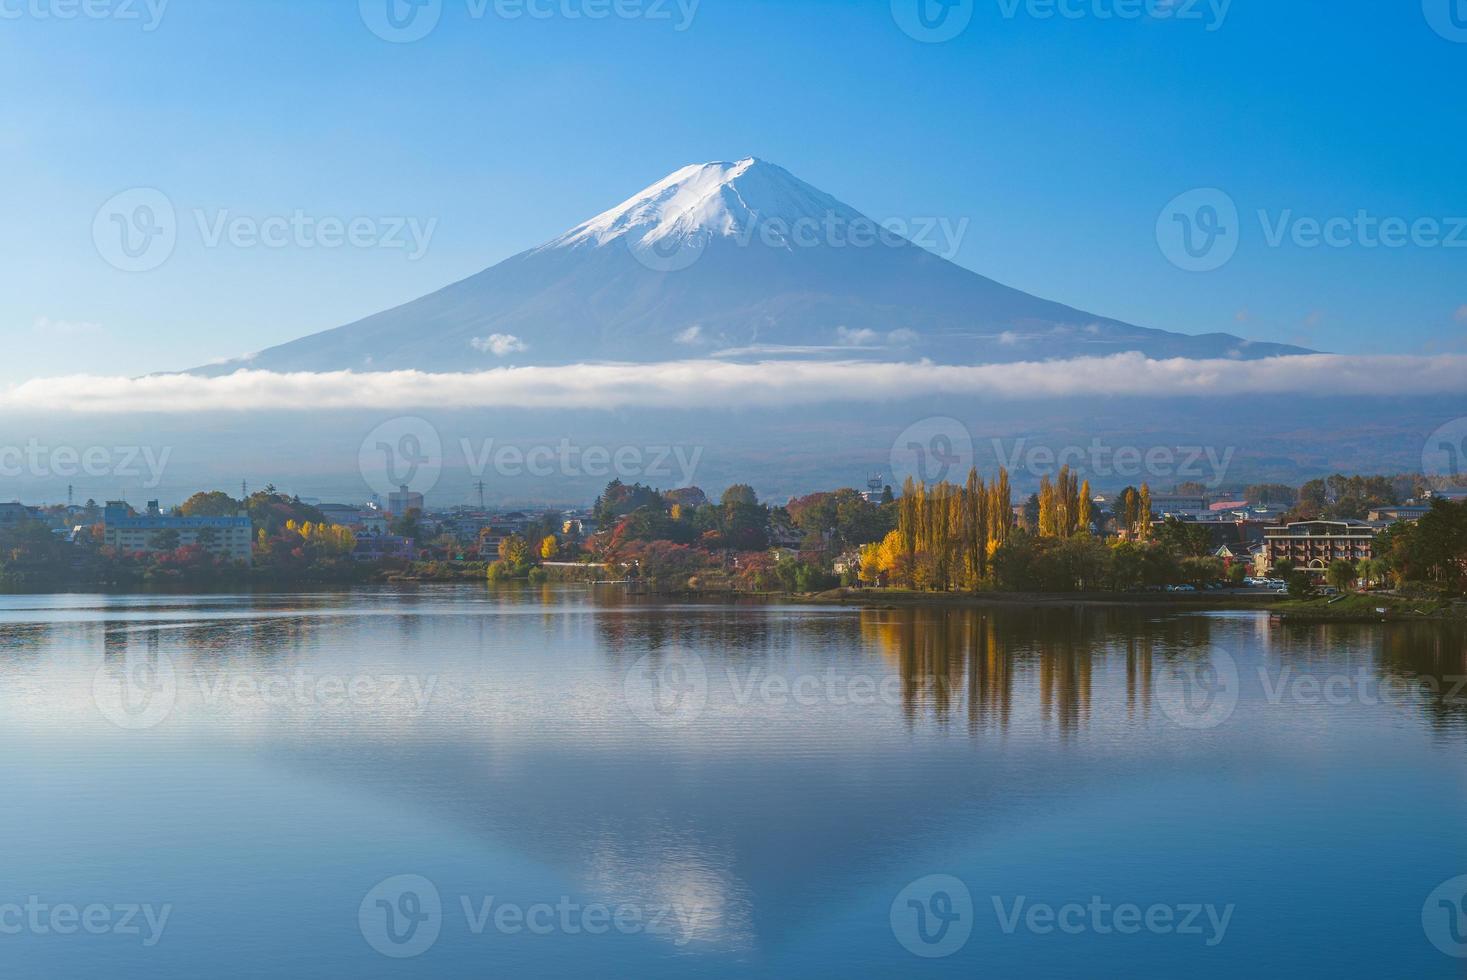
<point x="730" y="260"/>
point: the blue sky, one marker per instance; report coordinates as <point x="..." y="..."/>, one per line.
<point x="1059" y="139"/>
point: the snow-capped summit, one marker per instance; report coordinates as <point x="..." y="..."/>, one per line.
<point x="711" y="199"/>
<point x="730" y="260"/>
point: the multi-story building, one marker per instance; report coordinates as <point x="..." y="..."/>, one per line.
<point x="1312" y="545"/>
<point x="16" y="513"/>
<point x="404" y="500"/>
<point x="232" y="537"/>
<point x="1400" y="512"/>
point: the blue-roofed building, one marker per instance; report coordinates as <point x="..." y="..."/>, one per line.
<point x="231" y="537"/>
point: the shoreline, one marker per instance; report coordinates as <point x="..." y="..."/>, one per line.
<point x="1354" y="608"/>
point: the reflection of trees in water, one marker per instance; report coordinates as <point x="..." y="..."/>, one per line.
<point x="949" y="658"/>
<point x="1423" y="663"/>
<point x="1435" y="656"/>
<point x="752" y="633"/>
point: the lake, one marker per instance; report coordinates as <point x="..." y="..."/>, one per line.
<point x="564" y="782"/>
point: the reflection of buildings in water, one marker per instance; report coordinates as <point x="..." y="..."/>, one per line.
<point x="1432" y="659"/>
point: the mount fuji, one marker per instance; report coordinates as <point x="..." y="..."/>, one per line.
<point x="733" y="260"/>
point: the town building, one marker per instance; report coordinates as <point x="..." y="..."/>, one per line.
<point x="1313" y="545"/>
<point x="345" y="515"/>
<point x="377" y="547"/>
<point x="404" y="500"/>
<point x="16" y="513"/>
<point x="1400" y="512"/>
<point x="1177" y="504"/>
<point x="154" y="531"/>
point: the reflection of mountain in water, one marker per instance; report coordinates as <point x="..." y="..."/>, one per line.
<point x="756" y="820"/>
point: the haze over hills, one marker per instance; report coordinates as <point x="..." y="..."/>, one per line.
<point x="732" y="260"/>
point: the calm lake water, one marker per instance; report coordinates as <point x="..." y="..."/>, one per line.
<point x="561" y="783"/>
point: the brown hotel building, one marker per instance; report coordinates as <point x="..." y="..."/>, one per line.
<point x="1312" y="545"/>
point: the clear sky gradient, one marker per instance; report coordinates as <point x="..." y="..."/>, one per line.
<point x="1058" y="139"/>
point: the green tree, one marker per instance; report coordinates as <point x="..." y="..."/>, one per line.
<point x="1341" y="574"/>
<point x="214" y="503"/>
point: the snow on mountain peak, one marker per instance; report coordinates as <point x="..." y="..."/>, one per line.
<point x="710" y="200"/>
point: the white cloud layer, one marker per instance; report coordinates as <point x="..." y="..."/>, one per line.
<point x="707" y="383"/>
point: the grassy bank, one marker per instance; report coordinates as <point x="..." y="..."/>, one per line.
<point x="1357" y="607"/>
